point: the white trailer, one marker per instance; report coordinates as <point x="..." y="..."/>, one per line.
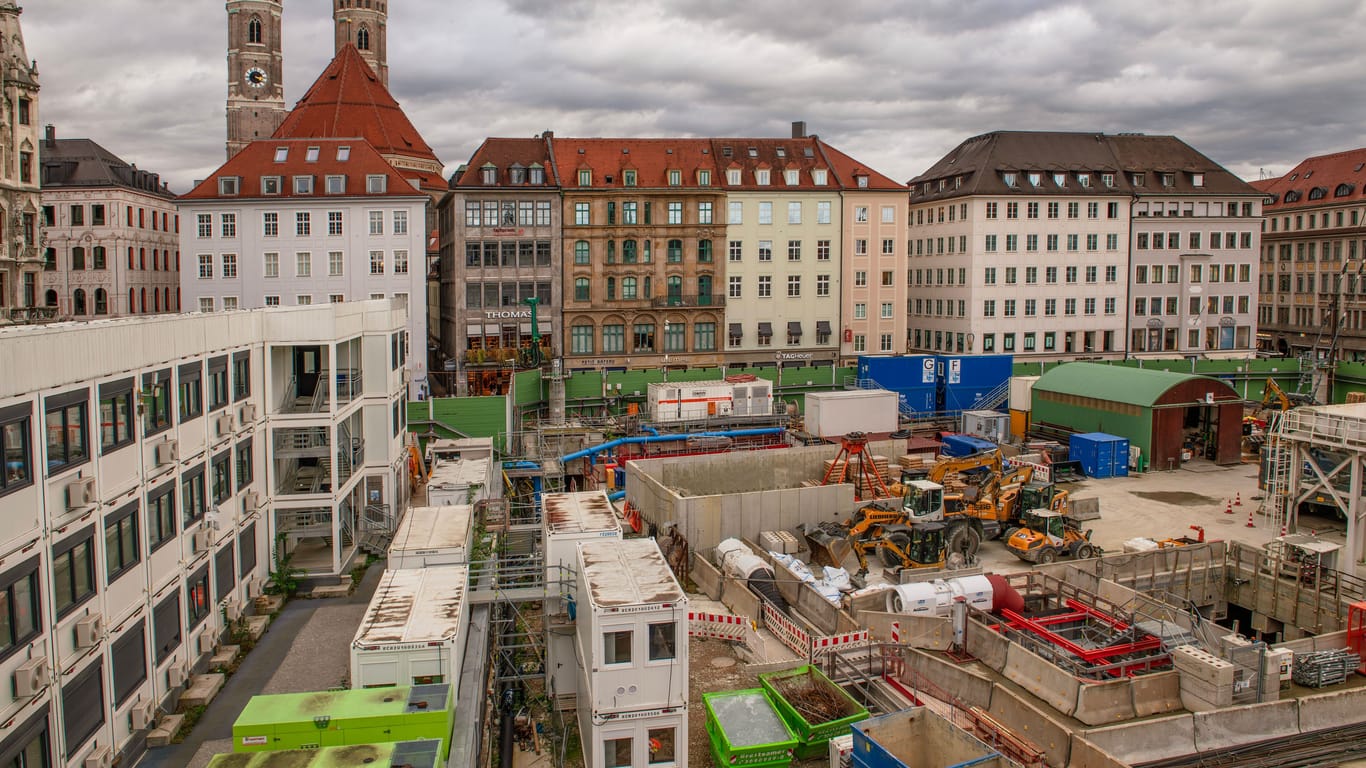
<point x="414" y="631"/>
<point x="430" y="536"/>
<point x="834" y="414"/>
<point x="632" y="628"/>
<point x="690" y="400"/>
<point x="567" y="519"/>
<point x="752" y="398"/>
<point x="464" y="481"/>
<point x="649" y="739"/>
<point x="988" y="425"/>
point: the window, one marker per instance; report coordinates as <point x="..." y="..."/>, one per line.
<point x="303" y="224"/>
<point x="581" y="339"/>
<point x="794" y="212"/>
<point x="334" y="222"/>
<point x="303" y="185"/>
<point x="272" y="301"/>
<point x="221" y="486"/>
<point x="581" y="214"/>
<point x="861" y="247"/>
<point x="230" y="265"/>
<point x="765" y="286"/>
<point x="704" y="215"/>
<point x="303" y="264"/>
<point x="990" y="244"/>
<point x="166" y="627"/>
<point x="376" y="222"/>
<point x="643" y="337"/>
<point x="400" y="262"/>
<point x="129" y="663"/>
<point x="191" y="393"/>
<point x="860" y="278"/>
<point x="206" y="266"/>
<point x="616" y="753"/>
<point x="192" y="499"/>
<point x="65" y="417"/>
<point x="197" y="602"/>
<point x="822" y="211"/>
<point x="73" y="571"/>
<point x="205" y="225"/>
<point x="675" y="213"/>
<point x="765" y="212"/>
<point x="613" y="338"/>
<point x="20" y="616"/>
<point x="822" y="250"/>
<point x="116" y="415"/>
<point x="83" y="706"/>
<point x="675" y="251"/>
<point x="662" y="641"/>
<point x="822" y="285"/>
<point x="271" y="267"/>
<point x="765" y="250"/>
<point x="122" y="548"/>
<point x="886" y="310"/>
<point x="860" y="342"/>
<point x="794" y="286"/>
<point x="675" y="337"/>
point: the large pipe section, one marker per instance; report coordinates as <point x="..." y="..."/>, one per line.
<point x="936" y="598"/>
<point x="739" y="562"/>
<point x="667" y="438"/>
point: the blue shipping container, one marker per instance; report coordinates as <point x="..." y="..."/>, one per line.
<point x="899" y="372"/>
<point x="965" y="445"/>
<point x="920" y="400"/>
<point x="965" y="379"/>
<point x="1101" y="455"/>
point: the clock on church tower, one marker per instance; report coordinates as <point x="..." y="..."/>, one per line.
<point x="256" y="100"/>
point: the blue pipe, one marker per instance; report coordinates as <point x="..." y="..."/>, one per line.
<point x="612" y="444"/>
<point x="615" y="495"/>
<point x="651" y="430"/>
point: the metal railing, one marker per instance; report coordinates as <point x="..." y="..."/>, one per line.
<point x="689" y="300"/>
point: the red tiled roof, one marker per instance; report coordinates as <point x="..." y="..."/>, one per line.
<point x="348" y="100"/>
<point x="503" y="154"/>
<point x="776" y="155"/>
<point x="1264" y="185"/>
<point x="845" y="168"/>
<point x="651" y="159"/>
<point x="1339" y="177"/>
<point x="257" y="159"/>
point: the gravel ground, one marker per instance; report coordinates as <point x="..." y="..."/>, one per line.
<point x="320" y="657"/>
<point x="707" y="677"/>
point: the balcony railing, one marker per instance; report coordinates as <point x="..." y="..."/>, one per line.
<point x="32" y="314"/>
<point x="686" y="300"/>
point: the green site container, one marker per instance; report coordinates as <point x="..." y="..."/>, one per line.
<point x="405" y="754"/>
<point x="786" y="687"/>
<point x="746" y="729"/>
<point x="348" y="717"/>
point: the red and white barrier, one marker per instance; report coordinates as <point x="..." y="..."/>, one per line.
<point x="896" y="632"/>
<point x="788" y="633"/>
<point x="1042" y="472"/>
<point x="719" y="626"/>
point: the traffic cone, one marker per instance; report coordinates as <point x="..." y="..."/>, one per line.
<point x="1228" y="508"/>
<point x="1238" y="499"/>
<point x="1250" y="524"/>
<point x="1283" y="531"/>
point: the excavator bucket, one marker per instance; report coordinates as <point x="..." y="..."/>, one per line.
<point x="827" y="547"/>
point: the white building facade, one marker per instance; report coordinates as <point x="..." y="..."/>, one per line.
<point x="138" y="504"/>
<point x="294" y="222"/>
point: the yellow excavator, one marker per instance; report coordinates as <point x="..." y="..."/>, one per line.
<point x="886" y="529"/>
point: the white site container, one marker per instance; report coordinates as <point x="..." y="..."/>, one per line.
<point x="632" y="628"/>
<point x="1022" y="392"/>
<point x="414" y="631"/>
<point x="752" y="398"/>
<point x="690" y="400"/>
<point x="454" y="449"/>
<point x="665" y="727"/>
<point x="833" y="414"/>
<point x="460" y="482"/>
<point x="567" y="519"/>
<point x="430" y="536"/>
<point x="988" y="425"/>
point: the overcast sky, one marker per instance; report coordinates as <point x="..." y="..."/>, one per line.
<point x="1255" y="84"/>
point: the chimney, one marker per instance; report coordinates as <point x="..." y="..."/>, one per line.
<point x="50" y="135"/>
<point x="547" y="134"/>
<point x="798" y="129"/>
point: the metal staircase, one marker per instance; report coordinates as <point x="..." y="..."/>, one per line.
<point x="378" y="525"/>
<point x="994" y="399"/>
<point x="903" y="409"/>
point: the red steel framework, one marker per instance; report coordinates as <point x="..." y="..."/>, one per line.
<point x="854" y="455"/>
<point x="1112" y="656"/>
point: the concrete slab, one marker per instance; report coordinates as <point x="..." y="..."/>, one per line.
<point x="1047" y="733"/>
<point x="1332" y="710"/>
<point x="1231" y="727"/>
<point x="1042" y="678"/>
<point x="329" y="591"/>
<point x="268" y="604"/>
<point x="1148" y="740"/>
<point x="202" y="689"/>
<point x="167" y="726"/>
<point x="256" y="626"/>
<point x="224" y="656"/>
<point x="1156" y="694"/>
<point x="1105" y="703"/>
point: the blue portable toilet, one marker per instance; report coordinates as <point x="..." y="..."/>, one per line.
<point x="965" y="379"/>
<point x="1101" y="455"/>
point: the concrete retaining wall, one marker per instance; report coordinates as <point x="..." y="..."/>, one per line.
<point x="988" y="646"/>
<point x="967" y="686"/>
<point x="1147" y="740"/>
<point x="706" y="576"/>
<point x="740" y="600"/>
<point x="1085" y="754"/>
<point x="820" y="613"/>
<point x="1104" y="703"/>
<point x="1045" y="680"/>
<point x="1156" y="694"/>
<point x="1224" y="728"/>
<point x="1050" y="735"/>
<point x="929" y="632"/>
<point x="1332" y="710"/>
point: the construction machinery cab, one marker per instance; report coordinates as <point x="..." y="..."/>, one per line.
<point x="923" y="502"/>
<point x="913" y="546"/>
<point x="1048" y="534"/>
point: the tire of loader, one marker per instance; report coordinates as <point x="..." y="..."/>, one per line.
<point x="964" y="539"/>
<point x="1084" y="551"/>
<point x="1048" y="555"/>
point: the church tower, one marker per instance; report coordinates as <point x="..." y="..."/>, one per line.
<point x="364" y="24"/>
<point x="256" y="94"/>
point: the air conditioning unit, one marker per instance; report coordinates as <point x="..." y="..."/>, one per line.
<point x="30" y="678"/>
<point x="246" y="414"/>
<point x="222" y="424"/>
<point x="88" y="629"/>
<point x="167" y="452"/>
<point x="202" y="540"/>
<point x="175" y="675"/>
<point x="232" y="609"/>
<point x="251" y="501"/>
<point x="101" y="757"/>
<point x="80" y="493"/>
<point x="207" y="642"/>
<point x="143" y="715"/>
<point x="254" y="585"/>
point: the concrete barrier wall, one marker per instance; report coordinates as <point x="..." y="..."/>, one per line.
<point x="968" y="687"/>
<point x="740" y="600"/>
<point x="1105" y="703"/>
<point x="1045" y="680"/>
<point x="1332" y="710"/>
<point x="1050" y="735"/>
<point x="1156" y="694"/>
<point x="822" y="614"/>
<point x="1224" y="728"/>
<point x="706" y="576"/>
<point x="1147" y="740"/>
<point x="986" y="645"/>
<point x="929" y="632"/>
<point x="1086" y="754"/>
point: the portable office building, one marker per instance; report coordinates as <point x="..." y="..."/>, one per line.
<point x="967" y="381"/>
<point x="689" y="400"/>
<point x="651" y="739"/>
<point x="414" y="630"/>
<point x="914" y="378"/>
<point x="461" y="482"/>
<point x="338" y="718"/>
<point x="431" y="536"/>
<point x="833" y="414"/>
<point x="567" y="519"/>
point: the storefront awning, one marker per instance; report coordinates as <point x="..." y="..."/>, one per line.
<point x="823" y="327"/>
<point x="765" y="329"/>
<point x="736" y="330"/>
<point x="794" y="328"/>
<point x="474" y="330"/>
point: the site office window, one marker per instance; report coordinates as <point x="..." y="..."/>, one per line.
<point x="67" y="437"/>
<point x="198" y="604"/>
<point x="19" y="595"/>
<point x="73" y="571"/>
<point x="15" y="445"/>
<point x="191" y="392"/>
<point x="116" y="415"/>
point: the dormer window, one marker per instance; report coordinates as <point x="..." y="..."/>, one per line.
<point x="488" y="174"/>
<point x="1138" y="179"/>
<point x="585" y="177"/>
<point x="376" y="184"/>
<point x="819" y="177"/>
<point x="1168" y="179"/>
<point x="1009" y="179"/>
<point x="336" y="185"/>
<point x="1034" y="180"/>
<point x="343" y="154"/>
<point x="958" y="182"/>
<point x="792" y="177"/>
<point x="281" y="154"/>
<point x="517" y="174"/>
<point x="861" y="182"/>
<point x="704" y="178"/>
<point x="270" y="185"/>
<point x="303" y="185"/>
<point x="537" y="174"/>
<point x="761" y="177"/>
<point x="727" y="152"/>
<point x="311" y="155"/>
<point x="1084" y="179"/>
<point x="628" y="178"/>
<point x="925" y="188"/>
<point x="943" y="184"/>
<point x="1108" y="179"/>
<point x="1197" y="179"/>
<point x="753" y="151"/>
<point x="782" y="152"/>
<point x="675" y="178"/>
<point x="1060" y="180"/>
<point x="1308" y="173"/>
<point x="733" y="176"/>
<point x="228" y="185"/>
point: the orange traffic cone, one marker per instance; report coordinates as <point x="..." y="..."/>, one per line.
<point x="1250" y="524"/>
<point x="1228" y="508"/>
<point x="1238" y="499"/>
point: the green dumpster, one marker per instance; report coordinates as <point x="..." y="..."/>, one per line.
<point x="813" y="706"/>
<point x="746" y="729"/>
